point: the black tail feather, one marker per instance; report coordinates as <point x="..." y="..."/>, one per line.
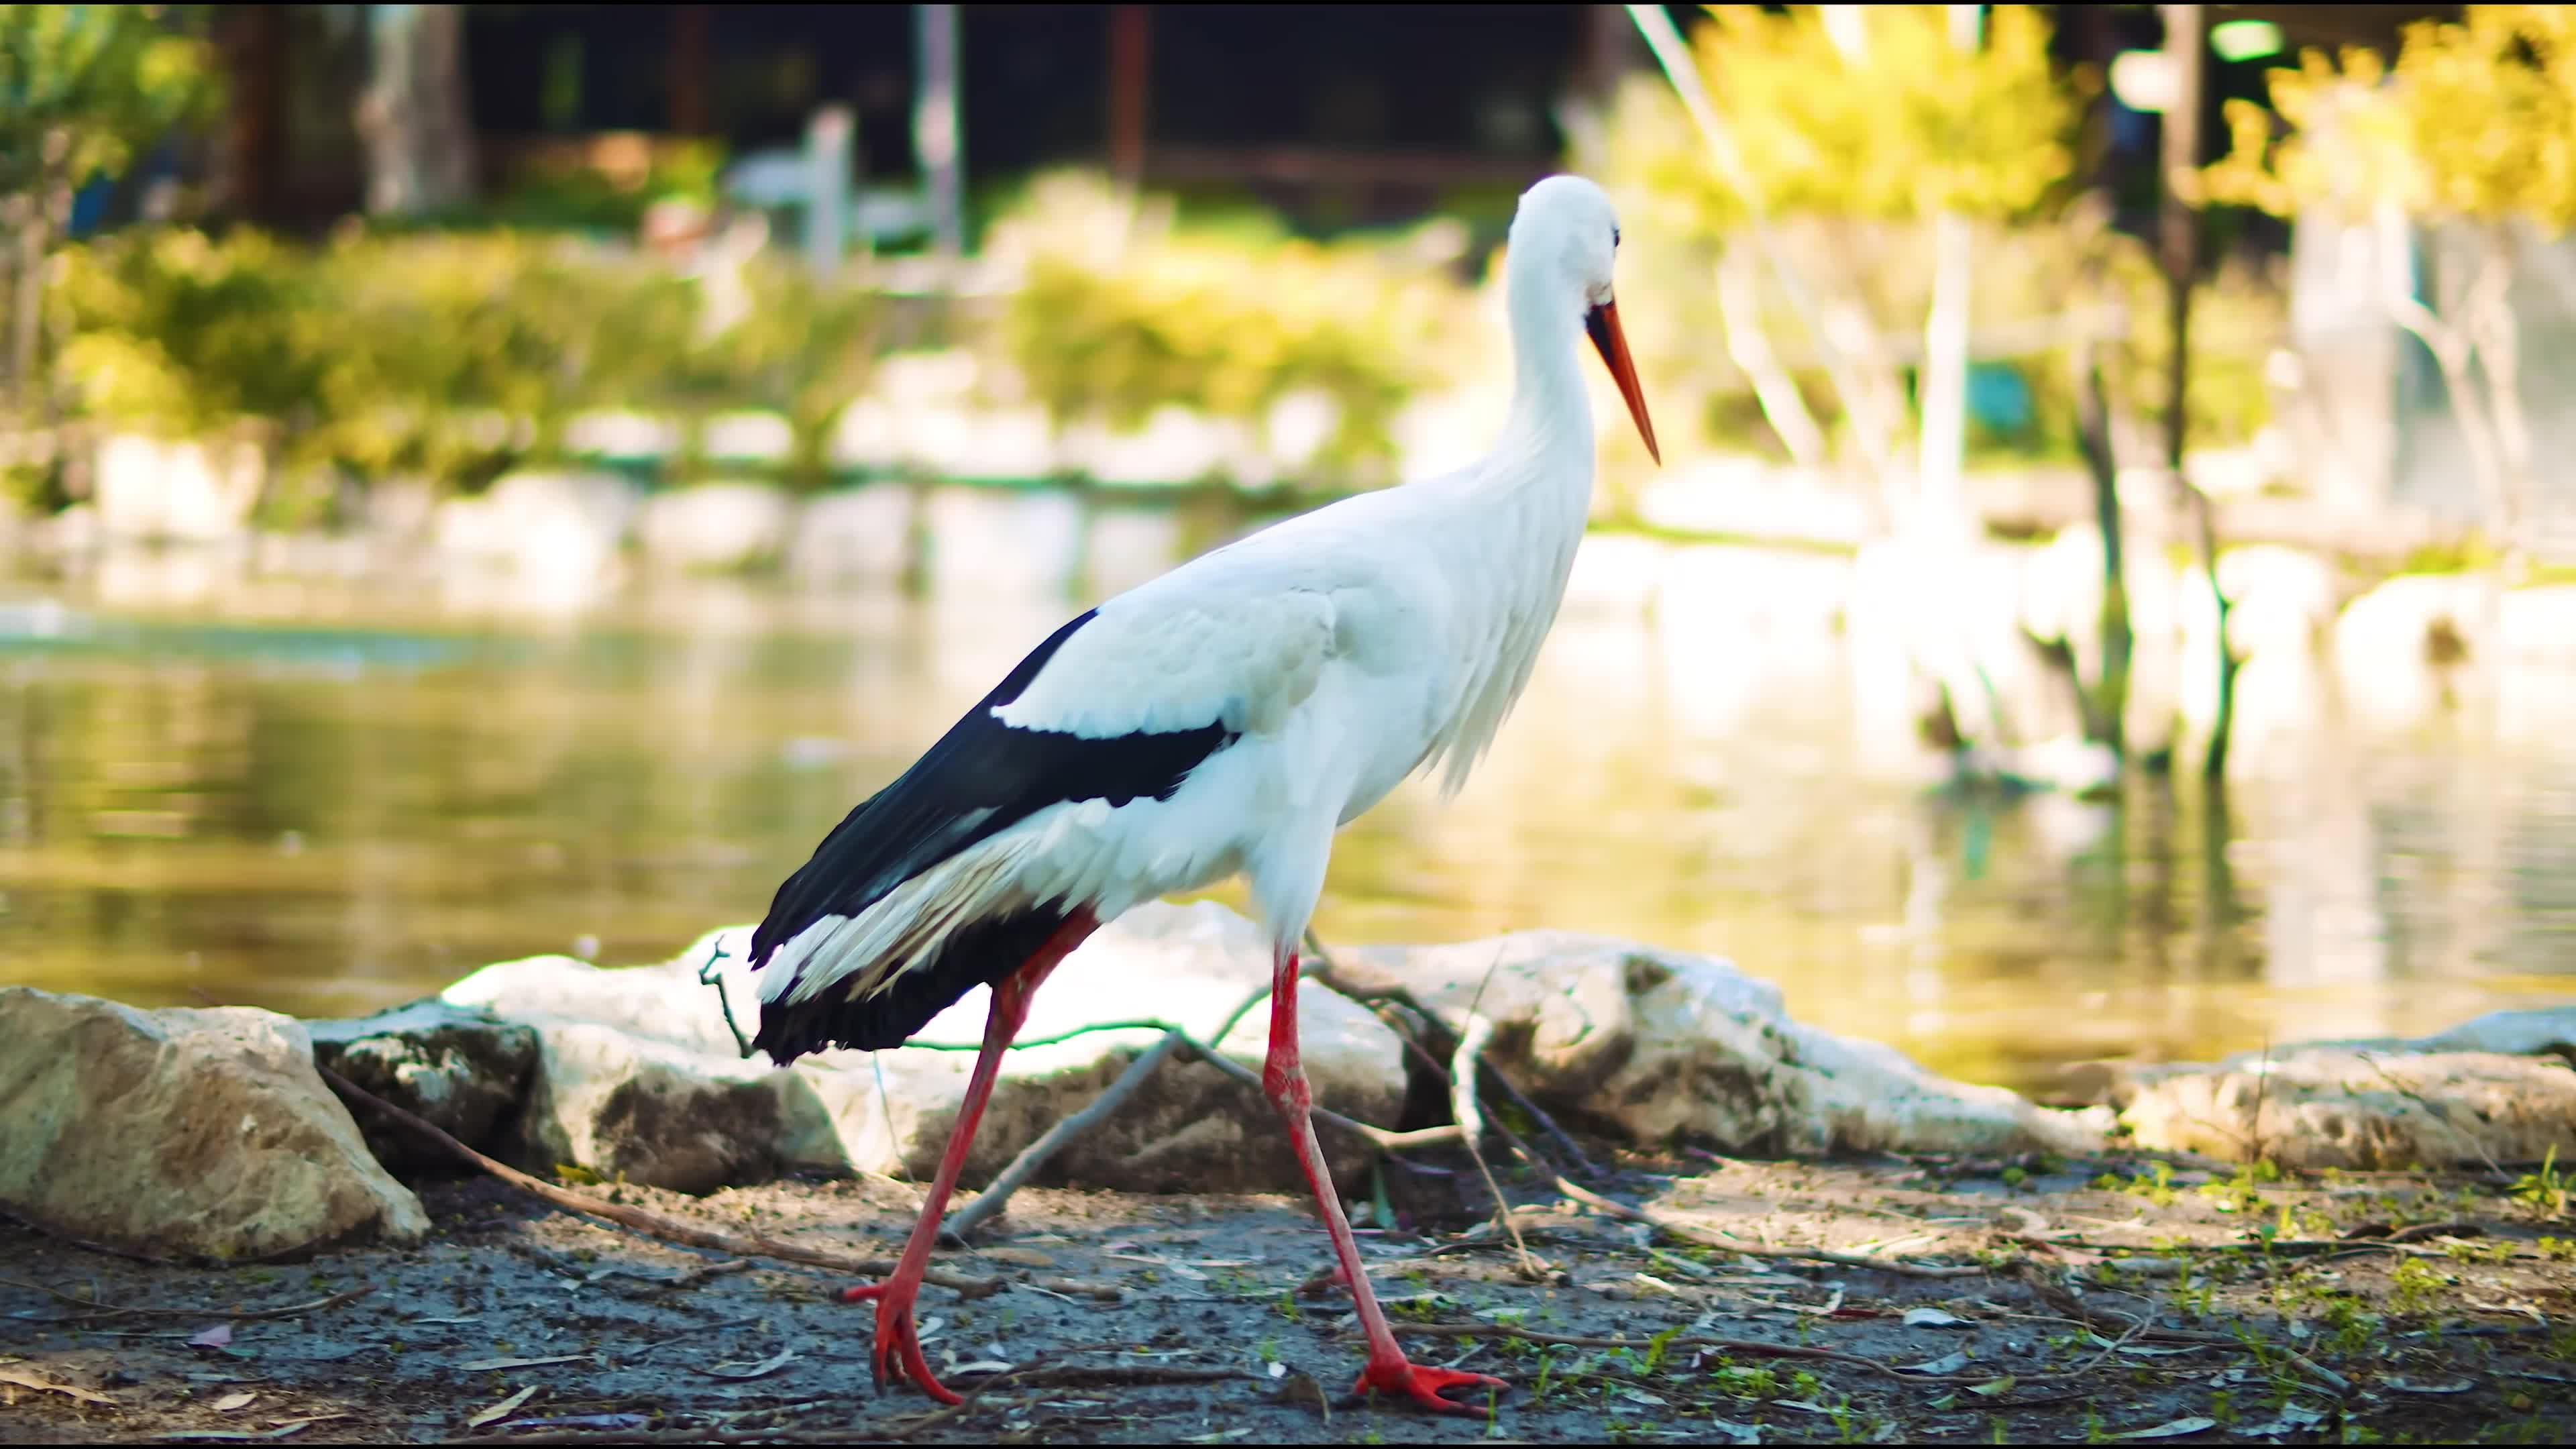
<point x="980" y="954"/>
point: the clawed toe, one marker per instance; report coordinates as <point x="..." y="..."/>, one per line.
<point x="1425" y="1386"/>
<point x="898" y="1355"/>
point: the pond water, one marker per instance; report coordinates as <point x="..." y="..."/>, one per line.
<point x="350" y="810"/>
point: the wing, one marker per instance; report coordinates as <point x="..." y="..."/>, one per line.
<point x="1120" y="704"/>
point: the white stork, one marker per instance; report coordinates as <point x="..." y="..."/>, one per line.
<point x="1227" y="717"/>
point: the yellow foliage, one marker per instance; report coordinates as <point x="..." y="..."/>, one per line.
<point x="448" y="355"/>
<point x="1910" y="126"/>
<point x="1120" y="314"/>
<point x="2475" y="121"/>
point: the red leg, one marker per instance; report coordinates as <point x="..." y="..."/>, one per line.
<point x="898" y="1345"/>
<point x="1283" y="1078"/>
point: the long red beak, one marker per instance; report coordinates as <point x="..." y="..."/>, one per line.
<point x="1603" y="323"/>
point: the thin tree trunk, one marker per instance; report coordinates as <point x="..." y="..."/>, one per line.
<point x="252" y="41"/>
<point x="413" y="118"/>
<point x="2180" y="221"/>
<point x="2185" y="44"/>
<point x="938" y="127"/>
<point x="2490" y="322"/>
<point x="2222" y="724"/>
<point x="1130" y="72"/>
<point x="691" y="113"/>
<point x="2452" y="354"/>
<point x="2106" y="700"/>
<point x="26" y="350"/>
<point x="1673" y="55"/>
<point x="1943" y="440"/>
<point x="1783" y="406"/>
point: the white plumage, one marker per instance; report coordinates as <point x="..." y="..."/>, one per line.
<point x="1227" y="717"/>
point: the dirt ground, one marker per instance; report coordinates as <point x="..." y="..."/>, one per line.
<point x="2095" y="1301"/>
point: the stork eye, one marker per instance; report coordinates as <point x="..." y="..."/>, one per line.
<point x="1614" y="238"/>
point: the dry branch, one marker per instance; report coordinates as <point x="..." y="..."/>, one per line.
<point x="989" y="1203"/>
<point x="1471" y="1126"/>
<point x="1329" y="972"/>
<point x="1639" y="1345"/>
<point x="649" y="1223"/>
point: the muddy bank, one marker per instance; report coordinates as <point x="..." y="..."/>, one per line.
<point x="2075" y="1300"/>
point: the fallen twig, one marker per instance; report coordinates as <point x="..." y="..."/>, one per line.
<point x="97" y="1309"/>
<point x="2132" y="1328"/>
<point x="1033" y="1376"/>
<point x="1383" y="1139"/>
<point x="1329" y="973"/>
<point x="1639" y="1345"/>
<point x="1665" y="1222"/>
<point x="654" y="1224"/>
<point x="1471" y="1126"/>
<point x="962" y="1223"/>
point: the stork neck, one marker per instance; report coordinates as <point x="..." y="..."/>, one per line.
<point x="1551" y="413"/>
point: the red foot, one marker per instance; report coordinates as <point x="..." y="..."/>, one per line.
<point x="1422" y="1385"/>
<point x="898" y="1351"/>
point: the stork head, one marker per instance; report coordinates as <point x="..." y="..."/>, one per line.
<point x="1568" y="233"/>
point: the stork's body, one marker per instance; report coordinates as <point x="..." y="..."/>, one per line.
<point x="1225" y="718"/>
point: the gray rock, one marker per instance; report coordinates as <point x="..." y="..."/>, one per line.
<point x="463" y="1071"/>
<point x="2335" y="1107"/>
<point x="201" y="1133"/>
<point x="638" y="1075"/>
<point x="1662" y="1045"/>
<point x="2496" y="1088"/>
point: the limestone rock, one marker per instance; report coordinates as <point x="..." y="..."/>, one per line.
<point x="193" y="492"/>
<point x="1658" y="1045"/>
<point x="202" y="1133"/>
<point x="715" y="527"/>
<point x="2493" y="1089"/>
<point x="461" y="1070"/>
<point x="2416" y="645"/>
<point x="852" y="535"/>
<point x="2364" y="1109"/>
<point x="638" y="1074"/>
<point x="563" y="528"/>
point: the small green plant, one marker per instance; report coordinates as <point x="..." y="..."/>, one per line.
<point x="2544" y="1191"/>
<point x="2416" y="1286"/>
<point x="2157" y="1186"/>
<point x="2350" y="1328"/>
<point x="1747" y="1383"/>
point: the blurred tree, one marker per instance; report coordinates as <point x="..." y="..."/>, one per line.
<point x="83" y="89"/>
<point x="1850" y="116"/>
<point x="419" y="137"/>
<point x="1857" y="125"/>
<point x="1120" y="312"/>
<point x="2473" y="129"/>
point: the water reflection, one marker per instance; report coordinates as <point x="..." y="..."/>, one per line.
<point x="333" y="817"/>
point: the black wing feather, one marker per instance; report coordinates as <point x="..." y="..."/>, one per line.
<point x="982" y="778"/>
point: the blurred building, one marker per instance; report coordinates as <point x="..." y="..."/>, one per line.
<point x="1333" y="114"/>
